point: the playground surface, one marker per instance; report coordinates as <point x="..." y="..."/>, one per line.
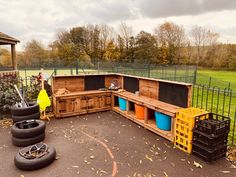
<point x="107" y="144"/>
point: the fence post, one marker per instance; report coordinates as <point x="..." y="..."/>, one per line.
<point x="149" y="70"/>
<point x="209" y="82"/>
<point x="234" y="127"/>
<point x="175" y="73"/>
<point x="98" y="67"/>
<point x="195" y="76"/>
<point x="55" y="71"/>
<point x="229" y="85"/>
<point x="77" y="68"/>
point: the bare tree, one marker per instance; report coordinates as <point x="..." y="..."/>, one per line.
<point x="201" y="38"/>
<point x="172" y="37"/>
<point x="126" y="33"/>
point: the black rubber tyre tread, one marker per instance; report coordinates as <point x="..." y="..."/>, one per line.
<point x="28" y="133"/>
<point x="31" y="109"/>
<point x="34" y="164"/>
<point x="28" y="117"/>
<point x="23" y="142"/>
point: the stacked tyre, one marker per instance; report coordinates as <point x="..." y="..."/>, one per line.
<point x="25" y="113"/>
<point x="28" y="132"/>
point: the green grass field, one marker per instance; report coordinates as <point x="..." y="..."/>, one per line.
<point x="221" y="79"/>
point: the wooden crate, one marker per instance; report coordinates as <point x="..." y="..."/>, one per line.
<point x="71" y="83"/>
<point x="148" y="88"/>
<point x="109" y="78"/>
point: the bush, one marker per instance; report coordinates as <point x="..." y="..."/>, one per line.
<point x="8" y="95"/>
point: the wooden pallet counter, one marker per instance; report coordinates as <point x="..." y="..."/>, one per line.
<point x="82" y="94"/>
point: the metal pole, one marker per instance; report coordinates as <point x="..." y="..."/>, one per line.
<point x="209" y="82"/>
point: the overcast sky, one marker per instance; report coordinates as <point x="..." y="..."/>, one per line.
<point x="40" y="20"/>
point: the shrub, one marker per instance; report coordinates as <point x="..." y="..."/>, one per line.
<point x="8" y="95"/>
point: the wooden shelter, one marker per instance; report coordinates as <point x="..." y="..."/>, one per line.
<point x="8" y="40"/>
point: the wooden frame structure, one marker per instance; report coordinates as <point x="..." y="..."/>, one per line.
<point x="75" y="95"/>
<point x="8" y="40"/>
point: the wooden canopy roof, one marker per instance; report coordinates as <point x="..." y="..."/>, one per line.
<point x="7" y="40"/>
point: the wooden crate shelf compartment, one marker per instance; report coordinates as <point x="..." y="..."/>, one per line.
<point x="151" y="103"/>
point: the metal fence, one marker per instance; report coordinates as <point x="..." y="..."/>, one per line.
<point x="183" y="73"/>
<point x="217" y="98"/>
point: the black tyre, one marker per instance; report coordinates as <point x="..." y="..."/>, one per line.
<point x="37" y="163"/>
<point x="31" y="109"/>
<point x="28" y="117"/>
<point x="28" y="128"/>
<point x="23" y="142"/>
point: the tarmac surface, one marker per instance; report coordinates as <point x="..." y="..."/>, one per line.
<point x="107" y="144"/>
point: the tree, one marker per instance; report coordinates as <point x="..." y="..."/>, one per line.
<point x="111" y="53"/>
<point x="5" y="57"/>
<point x="145" y="47"/>
<point x="34" y="53"/>
<point x="204" y="40"/>
<point x="171" y="37"/>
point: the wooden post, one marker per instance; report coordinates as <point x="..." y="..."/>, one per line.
<point x="13" y="56"/>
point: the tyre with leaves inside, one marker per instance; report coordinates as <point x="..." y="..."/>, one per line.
<point x="35" y="163"/>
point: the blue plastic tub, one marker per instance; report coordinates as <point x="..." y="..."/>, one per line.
<point x="122" y="104"/>
<point x="163" y="121"/>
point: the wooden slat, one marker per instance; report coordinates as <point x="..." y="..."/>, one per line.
<point x="149" y="102"/>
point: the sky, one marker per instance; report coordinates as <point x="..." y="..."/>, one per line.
<point x="41" y="20"/>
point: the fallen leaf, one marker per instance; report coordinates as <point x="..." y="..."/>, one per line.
<point x="165" y="174"/>
<point x="198" y="165"/>
<point x="51" y="131"/>
<point x="103" y="171"/>
<point x="92" y="157"/>
<point x="172" y="164"/>
<point x="149" y="158"/>
<point x="226" y="172"/>
<point x="75" y="166"/>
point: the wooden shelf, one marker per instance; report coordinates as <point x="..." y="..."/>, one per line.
<point x="81" y="93"/>
<point x="151" y="103"/>
<point x="150" y="125"/>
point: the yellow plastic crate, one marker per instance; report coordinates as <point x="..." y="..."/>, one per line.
<point x="187" y="115"/>
<point x="184" y="124"/>
<point x="185" y="130"/>
<point x="182" y="143"/>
